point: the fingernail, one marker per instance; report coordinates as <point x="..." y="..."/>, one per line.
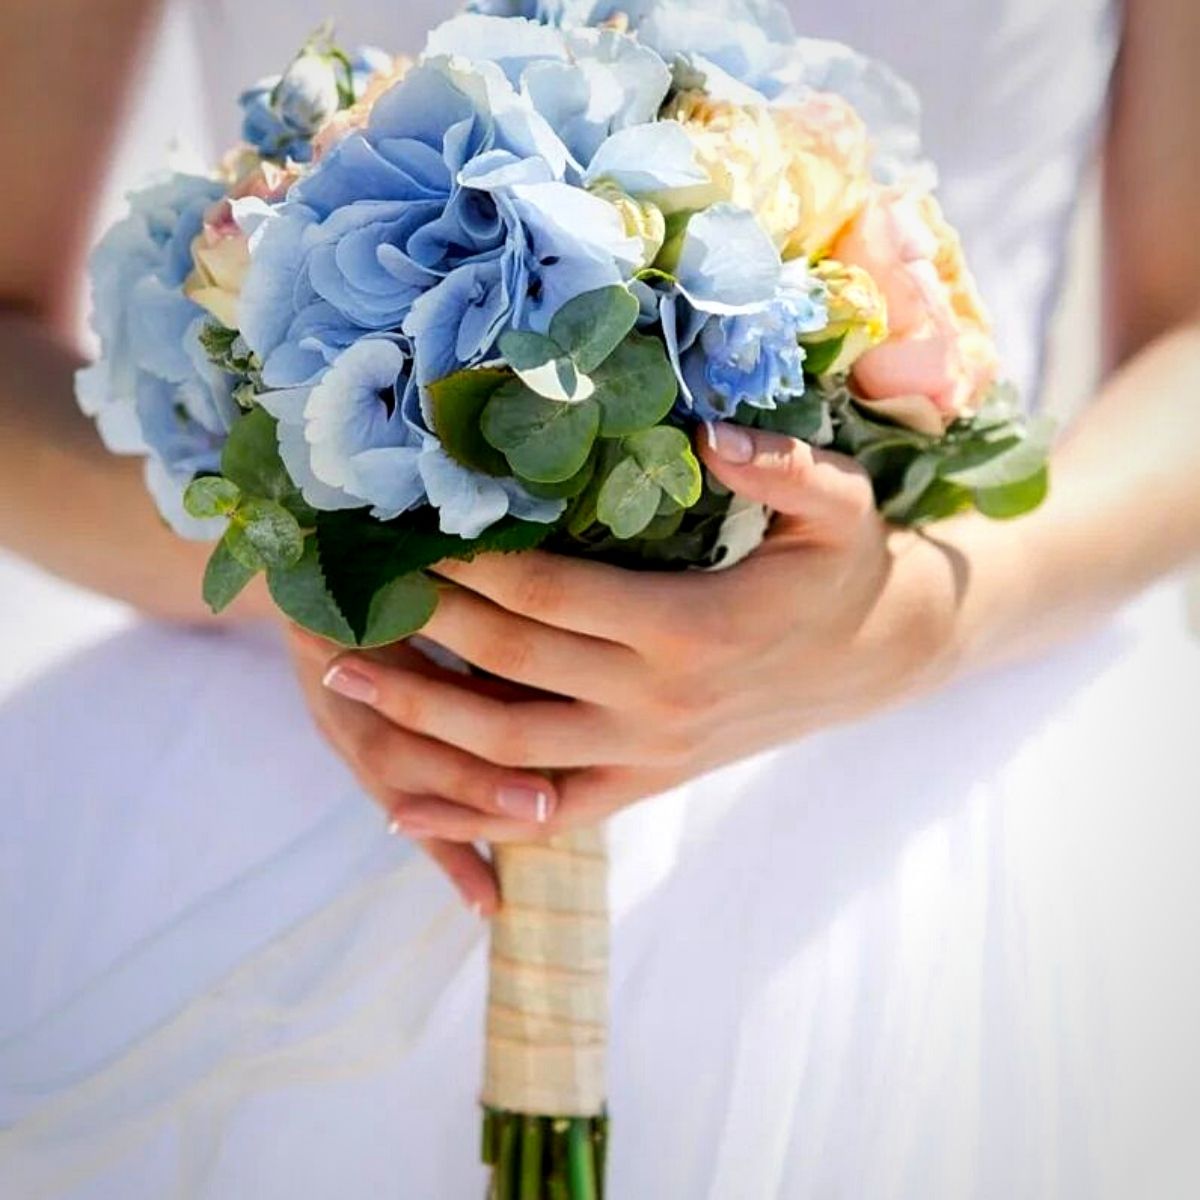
<point x="524" y="803"/>
<point x="352" y="684"/>
<point x="732" y="443"/>
<point x="411" y="827"/>
<point x="394" y="827"/>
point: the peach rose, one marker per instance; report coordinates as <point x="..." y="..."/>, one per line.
<point x="221" y="252"/>
<point x="939" y="360"/>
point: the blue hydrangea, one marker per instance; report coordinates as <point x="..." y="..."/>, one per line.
<point x="152" y="391"/>
<point x="458" y="213"/>
<point x="734" y="315"/>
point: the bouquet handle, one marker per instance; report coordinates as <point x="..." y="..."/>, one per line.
<point x="547" y="1020"/>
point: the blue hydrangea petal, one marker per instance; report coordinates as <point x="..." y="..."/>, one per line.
<point x="645" y="160"/>
<point x="512" y="44"/>
<point x="727" y="264"/>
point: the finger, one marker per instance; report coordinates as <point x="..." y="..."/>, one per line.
<point x="527" y="652"/>
<point x="583" y="597"/>
<point x="471" y="875"/>
<point x="823" y="497"/>
<point x="590" y="796"/>
<point x="535" y="734"/>
<point x="427" y="818"/>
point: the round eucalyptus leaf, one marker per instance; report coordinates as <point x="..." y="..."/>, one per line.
<point x="211" y="496"/>
<point x="269" y="531"/>
<point x="546" y="441"/>
<point x="591" y="326"/>
<point x="636" y="387"/>
<point x="629" y="499"/>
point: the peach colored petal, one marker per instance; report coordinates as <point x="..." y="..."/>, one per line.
<point x="913" y="412"/>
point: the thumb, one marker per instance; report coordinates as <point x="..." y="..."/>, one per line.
<point x="822" y="495"/>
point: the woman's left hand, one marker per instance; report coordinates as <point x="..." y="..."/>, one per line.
<point x="652" y="679"/>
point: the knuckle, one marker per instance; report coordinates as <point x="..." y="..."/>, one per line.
<point x="375" y="754"/>
<point x="539" y="592"/>
<point x="404" y="704"/>
<point x="507" y="742"/>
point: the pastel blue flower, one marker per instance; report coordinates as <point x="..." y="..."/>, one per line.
<point x="754" y="358"/>
<point x="358" y="439"/>
<point x="152" y="391"/>
<point x="732" y="319"/>
<point x="281" y="114"/>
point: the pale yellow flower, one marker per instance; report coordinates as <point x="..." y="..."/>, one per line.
<point x="642" y="219"/>
<point x="216" y="282"/>
<point x="802" y="169"/>
<point x="857" y="312"/>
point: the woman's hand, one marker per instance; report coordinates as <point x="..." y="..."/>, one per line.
<point x="653" y="679"/>
<point x="410" y="775"/>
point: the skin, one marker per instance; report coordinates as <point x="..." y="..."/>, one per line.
<point x="623" y="685"/>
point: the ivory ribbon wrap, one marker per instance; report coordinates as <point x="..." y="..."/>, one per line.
<point x="547" y="1019"/>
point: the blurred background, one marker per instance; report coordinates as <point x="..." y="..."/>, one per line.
<point x="46" y="620"/>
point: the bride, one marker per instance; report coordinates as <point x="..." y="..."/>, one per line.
<point x="910" y="913"/>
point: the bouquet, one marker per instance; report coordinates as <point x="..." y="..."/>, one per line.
<point x="486" y="301"/>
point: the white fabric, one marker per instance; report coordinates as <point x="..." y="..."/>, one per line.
<point x="949" y="952"/>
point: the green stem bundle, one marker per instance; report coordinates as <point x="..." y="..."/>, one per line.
<point x="544" y="1158"/>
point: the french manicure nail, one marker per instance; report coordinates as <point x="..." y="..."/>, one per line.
<point x="352" y="684"/>
<point x="732" y="443"/>
<point x="524" y="803"/>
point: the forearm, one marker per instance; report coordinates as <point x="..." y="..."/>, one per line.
<point x="1124" y="510"/>
<point x="73" y="508"/>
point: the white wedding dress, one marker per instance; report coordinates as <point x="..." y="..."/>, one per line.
<point x="950" y="952"/>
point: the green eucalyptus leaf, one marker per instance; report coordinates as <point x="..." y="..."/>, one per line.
<point x="629" y="499"/>
<point x="399" y="609"/>
<point x="302" y="593"/>
<point x="546" y="441"/>
<point x="458" y="402"/>
<point x="224" y="578"/>
<point x="211" y="496"/>
<point x="543" y="366"/>
<point x="636" y="387"/>
<point x="1014" y="499"/>
<point x="266" y="531"/>
<point x="664" y="453"/>
<point x="568" y="489"/>
<point x="591" y="326"/>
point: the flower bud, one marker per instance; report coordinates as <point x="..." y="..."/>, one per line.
<point x="857" y="312"/>
<point x="641" y="218"/>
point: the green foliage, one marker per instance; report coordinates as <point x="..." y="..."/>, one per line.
<point x="636" y="386"/>
<point x="820" y="357"/>
<point x="458" y="402"/>
<point x="224" y="578"/>
<point x="658" y="472"/>
<point x="251" y="460"/>
<point x="302" y="593"/>
<point x="807" y="417"/>
<point x="547" y="441"/>
<point x="544" y="367"/>
<point x="227" y="351"/>
<point x="590" y="327"/>
<point x="1013" y="499"/>
<point x="263" y="534"/>
<point x="211" y="496"/>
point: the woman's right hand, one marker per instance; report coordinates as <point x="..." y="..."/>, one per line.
<point x="408" y="775"/>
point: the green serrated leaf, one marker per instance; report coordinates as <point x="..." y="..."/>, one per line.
<point x="938" y="502"/>
<point x="998" y="461"/>
<point x="918" y="477"/>
<point x="1014" y="499"/>
<point x="543" y="440"/>
<point x="458" y="402"/>
<point x="211" y="496"/>
<point x="591" y="326"/>
<point x="224" y="578"/>
<point x="629" y="499"/>
<point x="302" y="594"/>
<point x="820" y="358"/>
<point x="636" y="387"/>
<point x="399" y="609"/>
<point x="265" y="534"/>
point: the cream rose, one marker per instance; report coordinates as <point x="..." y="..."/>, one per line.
<point x="221" y="252"/>
<point x="939" y="359"/>
<point x="801" y="169"/>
